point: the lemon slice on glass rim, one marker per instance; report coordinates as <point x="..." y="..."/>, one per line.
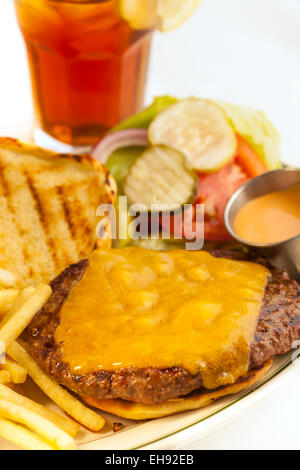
<point x="200" y="130"/>
<point x="164" y="15"/>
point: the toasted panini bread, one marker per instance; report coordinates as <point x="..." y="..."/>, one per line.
<point x="48" y="208"/>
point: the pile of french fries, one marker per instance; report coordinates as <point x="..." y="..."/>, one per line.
<point x="24" y="422"/>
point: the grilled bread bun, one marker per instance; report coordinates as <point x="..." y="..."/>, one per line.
<point x="48" y="208"/>
<point x="198" y="399"/>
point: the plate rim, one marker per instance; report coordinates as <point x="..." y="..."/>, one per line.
<point x="208" y="424"/>
<point x="213" y="421"/>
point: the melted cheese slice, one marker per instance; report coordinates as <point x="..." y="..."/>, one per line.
<point x="139" y="308"/>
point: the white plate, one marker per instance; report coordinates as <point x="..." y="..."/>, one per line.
<point x="174" y="431"/>
<point x="256" y="82"/>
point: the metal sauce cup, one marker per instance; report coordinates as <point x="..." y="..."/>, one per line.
<point x="284" y="255"/>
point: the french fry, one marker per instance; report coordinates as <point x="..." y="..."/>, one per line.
<point x="21" y="437"/>
<point x="18" y="303"/>
<point x="4" y="377"/>
<point x="44" y="428"/>
<point x="17" y="373"/>
<point x="64" y="423"/>
<point x="60" y="396"/>
<point x="7" y="298"/>
<point x="7" y="278"/>
<point x="11" y="329"/>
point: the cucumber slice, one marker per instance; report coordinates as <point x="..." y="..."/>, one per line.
<point x="160" y="176"/>
<point x="200" y="130"/>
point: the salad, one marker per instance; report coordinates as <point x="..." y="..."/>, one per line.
<point x="191" y="151"/>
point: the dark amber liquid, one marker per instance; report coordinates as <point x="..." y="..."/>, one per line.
<point x="88" y="67"/>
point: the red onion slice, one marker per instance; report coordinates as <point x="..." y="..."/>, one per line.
<point x="119" y="139"/>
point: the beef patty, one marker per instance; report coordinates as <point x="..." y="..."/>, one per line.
<point x="278" y="326"/>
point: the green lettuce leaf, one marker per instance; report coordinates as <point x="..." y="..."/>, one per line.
<point x="258" y="130"/>
<point x="143" y="119"/>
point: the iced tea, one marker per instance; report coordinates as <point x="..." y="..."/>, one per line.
<point x="88" y="67"/>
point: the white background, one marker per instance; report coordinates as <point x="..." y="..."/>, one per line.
<point x="244" y="51"/>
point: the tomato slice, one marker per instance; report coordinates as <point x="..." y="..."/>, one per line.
<point x="215" y="190"/>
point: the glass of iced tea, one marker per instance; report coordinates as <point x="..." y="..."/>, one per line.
<point x="88" y="67"/>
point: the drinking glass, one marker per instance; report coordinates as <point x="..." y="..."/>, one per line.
<point x="88" y="67"/>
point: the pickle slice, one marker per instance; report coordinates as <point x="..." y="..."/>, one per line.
<point x="199" y="129"/>
<point x="160" y="176"/>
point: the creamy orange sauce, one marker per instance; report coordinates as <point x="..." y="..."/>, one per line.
<point x="139" y="308"/>
<point x="272" y="218"/>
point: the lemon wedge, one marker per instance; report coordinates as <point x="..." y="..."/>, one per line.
<point x="173" y="13"/>
<point x="160" y="14"/>
<point x="198" y="129"/>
